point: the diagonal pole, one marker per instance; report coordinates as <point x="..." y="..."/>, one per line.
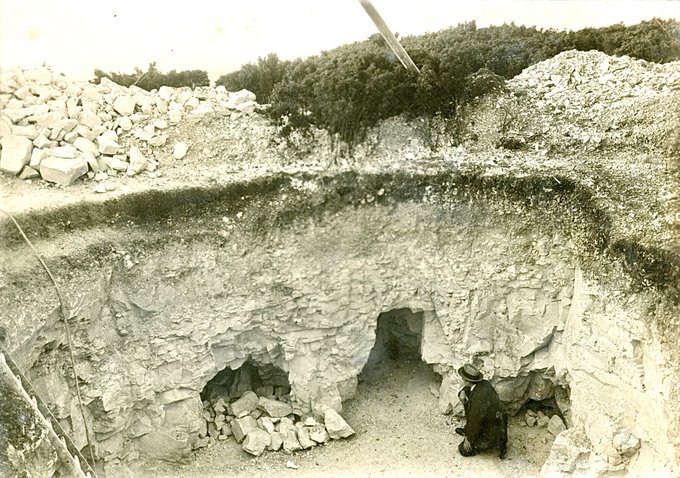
<point x="70" y="461"/>
<point x="389" y="37"/>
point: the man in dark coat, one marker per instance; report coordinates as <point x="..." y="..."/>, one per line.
<point x="486" y="423"/>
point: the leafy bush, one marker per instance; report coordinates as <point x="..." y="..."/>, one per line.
<point x="345" y="90"/>
<point x="481" y="82"/>
<point x="152" y="79"/>
<point x="259" y="78"/>
<point x="653" y="40"/>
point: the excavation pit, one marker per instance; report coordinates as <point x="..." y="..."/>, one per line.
<point x="307" y="277"/>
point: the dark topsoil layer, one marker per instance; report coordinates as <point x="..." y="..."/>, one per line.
<point x="274" y="202"/>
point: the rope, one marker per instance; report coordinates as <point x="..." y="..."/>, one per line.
<point x="66" y="318"/>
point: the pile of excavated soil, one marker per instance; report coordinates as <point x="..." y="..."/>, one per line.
<point x="610" y="123"/>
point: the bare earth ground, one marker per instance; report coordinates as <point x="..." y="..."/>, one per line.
<point x="399" y="432"/>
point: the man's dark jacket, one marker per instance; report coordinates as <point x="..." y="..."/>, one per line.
<point x="486" y="423"/>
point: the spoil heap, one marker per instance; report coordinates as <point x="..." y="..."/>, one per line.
<point x="58" y="130"/>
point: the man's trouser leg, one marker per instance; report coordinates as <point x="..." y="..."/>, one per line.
<point x="482" y="444"/>
<point x="462" y="451"/>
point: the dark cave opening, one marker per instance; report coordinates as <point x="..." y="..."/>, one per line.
<point x="397" y="336"/>
<point x="398" y="342"/>
<point x="265" y="380"/>
<point x="540" y="412"/>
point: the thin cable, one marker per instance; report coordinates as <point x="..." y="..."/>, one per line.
<point x="66" y="318"/>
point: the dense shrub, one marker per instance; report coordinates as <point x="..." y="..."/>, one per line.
<point x="350" y="88"/>
<point x="259" y="78"/>
<point x="654" y="40"/>
<point x="153" y="79"/>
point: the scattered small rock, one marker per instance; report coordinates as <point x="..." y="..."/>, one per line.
<point x="303" y="438"/>
<point x="256" y="442"/>
<point x="336" y="426"/>
<point x="556" y="425"/>
<point x="86" y="146"/>
<point x="108" y="146"/>
<point x="319" y="434"/>
<point x="67" y="152"/>
<point x="290" y="441"/>
<point x="124" y="105"/>
<point x="28" y="173"/>
<point x="285" y="424"/>
<point x="5" y="128"/>
<point x="158" y="140"/>
<point x="62" y="170"/>
<point x="275" y="408"/>
<point x="180" y="150"/>
<point x="220" y="405"/>
<point x="309" y="422"/>
<point x="16" y="153"/>
<point x="125" y="123"/>
<point x="137" y="162"/>
<point x="266" y="424"/>
<point x="242" y="426"/>
<point x="114" y="163"/>
<point x="175" y="116"/>
<point x="276" y="441"/>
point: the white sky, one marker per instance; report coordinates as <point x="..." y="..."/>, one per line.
<point x="77" y="36"/>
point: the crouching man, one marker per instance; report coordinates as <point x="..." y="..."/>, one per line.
<point x="486" y="423"/>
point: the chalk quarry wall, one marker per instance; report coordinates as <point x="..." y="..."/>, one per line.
<point x="162" y="307"/>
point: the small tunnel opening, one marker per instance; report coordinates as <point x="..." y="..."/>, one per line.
<point x="540" y="412"/>
<point x="234" y="394"/>
<point x="397" y="336"/>
<point x="397" y="352"/>
<point x="265" y="380"/>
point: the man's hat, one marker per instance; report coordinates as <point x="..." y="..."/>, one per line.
<point x="470" y="373"/>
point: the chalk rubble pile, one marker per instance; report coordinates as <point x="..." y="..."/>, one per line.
<point x="554" y="423"/>
<point x="267" y="422"/>
<point x="60" y="131"/>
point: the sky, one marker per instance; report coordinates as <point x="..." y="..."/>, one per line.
<point x="76" y="36"/>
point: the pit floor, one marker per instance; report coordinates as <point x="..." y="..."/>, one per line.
<point x="398" y="433"/>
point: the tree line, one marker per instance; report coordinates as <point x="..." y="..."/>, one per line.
<point x="152" y="78"/>
<point x="350" y="88"/>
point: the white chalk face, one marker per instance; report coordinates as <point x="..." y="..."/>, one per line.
<point x="77" y="36"/>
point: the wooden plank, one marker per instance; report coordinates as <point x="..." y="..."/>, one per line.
<point x="389" y="37"/>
